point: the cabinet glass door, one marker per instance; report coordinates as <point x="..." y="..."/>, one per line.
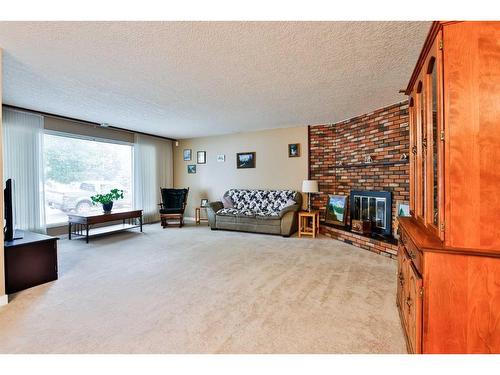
<point x="413" y="155"/>
<point x="434" y="143"/>
<point x="422" y="150"/>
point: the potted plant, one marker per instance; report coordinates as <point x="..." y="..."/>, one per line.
<point x="107" y="199"/>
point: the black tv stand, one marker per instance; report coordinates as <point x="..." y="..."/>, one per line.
<point x="29" y="261"/>
<point x="18" y="234"/>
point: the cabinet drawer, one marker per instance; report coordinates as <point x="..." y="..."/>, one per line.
<point x="413" y="252"/>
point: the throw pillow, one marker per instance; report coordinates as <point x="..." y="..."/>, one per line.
<point x="227" y="202"/>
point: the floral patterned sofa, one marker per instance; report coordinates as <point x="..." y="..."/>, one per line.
<point x="261" y="211"/>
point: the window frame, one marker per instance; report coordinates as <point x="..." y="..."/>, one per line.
<point x="87" y="138"/>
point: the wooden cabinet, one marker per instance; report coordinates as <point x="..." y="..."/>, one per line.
<point x="449" y="252"/>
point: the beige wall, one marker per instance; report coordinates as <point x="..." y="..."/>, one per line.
<point x="2" y="268"/>
<point x="274" y="169"/>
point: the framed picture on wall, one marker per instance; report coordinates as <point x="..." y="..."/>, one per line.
<point x="191" y="168"/>
<point x="201" y="157"/>
<point x="294" y="150"/>
<point x="204" y="202"/>
<point x="245" y="160"/>
<point x="221" y="158"/>
<point x="187" y="155"/>
<point x="336" y="209"/>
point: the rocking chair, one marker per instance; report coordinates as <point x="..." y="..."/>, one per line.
<point x="173" y="205"/>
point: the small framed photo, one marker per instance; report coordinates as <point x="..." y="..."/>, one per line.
<point x="187" y="155"/>
<point x="245" y="160"/>
<point x="191" y="168"/>
<point x="294" y="150"/>
<point x="221" y="158"/>
<point x="204" y="202"/>
<point x="201" y="157"/>
<point x="336" y="210"/>
<point x="402" y="208"/>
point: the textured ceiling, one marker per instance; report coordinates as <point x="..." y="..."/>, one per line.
<point x="186" y="79"/>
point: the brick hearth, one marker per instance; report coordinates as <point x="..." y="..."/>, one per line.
<point x="371" y="244"/>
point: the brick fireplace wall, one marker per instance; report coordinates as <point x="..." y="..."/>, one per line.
<point x="337" y="155"/>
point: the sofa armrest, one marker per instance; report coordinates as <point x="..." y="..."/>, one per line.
<point x="292" y="208"/>
<point x="212" y="208"/>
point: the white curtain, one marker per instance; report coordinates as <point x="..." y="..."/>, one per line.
<point x="23" y="162"/>
<point x="153" y="168"/>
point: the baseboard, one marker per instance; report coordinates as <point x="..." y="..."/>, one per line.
<point x="4" y="300"/>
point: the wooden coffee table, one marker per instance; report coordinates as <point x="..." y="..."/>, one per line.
<point x="80" y="225"/>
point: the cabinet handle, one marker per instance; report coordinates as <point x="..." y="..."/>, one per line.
<point x="412" y="255"/>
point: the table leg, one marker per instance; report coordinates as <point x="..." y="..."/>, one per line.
<point x="313" y="219"/>
<point x="69" y="231"/>
<point x="140" y="222"/>
<point x="87" y="235"/>
<point x="300" y="226"/>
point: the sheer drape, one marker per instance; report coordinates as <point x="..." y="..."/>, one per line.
<point x="153" y="168"/>
<point x="23" y="162"/>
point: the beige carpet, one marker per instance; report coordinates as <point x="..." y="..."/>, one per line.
<point x="192" y="290"/>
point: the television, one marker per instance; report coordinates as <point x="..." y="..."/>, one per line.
<point x="10" y="233"/>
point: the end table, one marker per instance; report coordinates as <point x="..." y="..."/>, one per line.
<point x="306" y="228"/>
<point x="197" y="215"/>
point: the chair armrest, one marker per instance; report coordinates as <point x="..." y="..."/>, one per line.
<point x="292" y="208"/>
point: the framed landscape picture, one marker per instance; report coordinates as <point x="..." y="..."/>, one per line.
<point x="204" y="202"/>
<point x="201" y="157"/>
<point x="403" y="208"/>
<point x="294" y="150"/>
<point x="221" y="158"/>
<point x="245" y="160"/>
<point x="336" y="209"/>
<point x="187" y="155"/>
<point x="191" y="168"/>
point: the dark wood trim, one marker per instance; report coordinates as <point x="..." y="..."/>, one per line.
<point x="84" y="121"/>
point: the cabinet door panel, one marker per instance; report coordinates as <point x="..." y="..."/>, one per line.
<point x="414" y="309"/>
<point x="472" y="99"/>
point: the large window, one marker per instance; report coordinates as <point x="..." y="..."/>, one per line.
<point x="77" y="168"/>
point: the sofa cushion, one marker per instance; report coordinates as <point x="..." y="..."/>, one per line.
<point x="235" y="212"/>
